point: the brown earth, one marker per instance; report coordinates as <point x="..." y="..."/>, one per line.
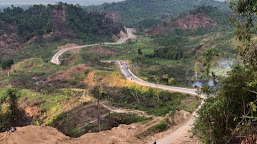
<point x="65" y="75"/>
<point x="9" y="41"/>
<point x="48" y="135"/>
<point x="99" y="50"/>
<point x="190" y="21"/>
<point x="60" y="29"/>
<point x="67" y="46"/>
<point x="123" y="134"/>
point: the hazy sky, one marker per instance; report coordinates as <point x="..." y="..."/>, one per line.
<point x="81" y="2"/>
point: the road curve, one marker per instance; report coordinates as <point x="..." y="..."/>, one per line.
<point x="55" y="58"/>
<point x="126" y="72"/>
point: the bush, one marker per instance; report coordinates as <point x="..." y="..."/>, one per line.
<point x="228" y="117"/>
<point x="171" y="81"/>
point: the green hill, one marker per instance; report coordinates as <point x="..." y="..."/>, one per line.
<point x="134" y="11"/>
<point x="205" y="18"/>
<point x="39" y="24"/>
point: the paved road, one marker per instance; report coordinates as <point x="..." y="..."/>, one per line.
<point x="177" y="136"/>
<point x="126" y="72"/>
<point x="55" y="58"/>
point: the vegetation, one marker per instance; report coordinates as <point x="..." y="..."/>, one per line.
<point x="133" y="96"/>
<point x="91" y="26"/>
<point x="40" y="25"/>
<point x="39" y="20"/>
<point x="6" y="64"/>
<point x="10" y="114"/>
<point x="227" y="117"/>
<point x="77" y="129"/>
<point x="230" y="117"/>
<point x="160" y="127"/>
<point x="64" y="95"/>
<point x="149" y="12"/>
<point x="244" y="14"/>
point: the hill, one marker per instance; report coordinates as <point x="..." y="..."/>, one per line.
<point x="38" y="24"/>
<point x="130" y="12"/>
<point x="203" y="17"/>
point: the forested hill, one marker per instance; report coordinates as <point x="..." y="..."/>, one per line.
<point x="19" y="27"/>
<point x="201" y="18"/>
<point x="130" y="12"/>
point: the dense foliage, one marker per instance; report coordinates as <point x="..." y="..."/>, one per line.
<point x="62" y="19"/>
<point x="231" y="116"/>
<point x="226" y="117"/>
<point x="176" y="45"/>
<point x="244" y="17"/>
<point x="9" y="112"/>
<point x="179" y="45"/>
<point x="34" y="21"/>
<point x="6" y="64"/>
<point x="134" y="11"/>
<point x="90" y="26"/>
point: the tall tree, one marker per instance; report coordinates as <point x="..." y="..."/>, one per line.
<point x="97" y="93"/>
<point x="11" y="115"/>
<point x="6" y="64"/>
<point x="244" y="16"/>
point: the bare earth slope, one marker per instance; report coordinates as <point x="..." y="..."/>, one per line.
<point x="190" y="21"/>
<point x="48" y="135"/>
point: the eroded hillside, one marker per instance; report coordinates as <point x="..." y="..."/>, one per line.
<point x="39" y="24"/>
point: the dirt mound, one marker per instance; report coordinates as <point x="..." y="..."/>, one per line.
<point x="33" y="135"/>
<point x="190" y="21"/>
<point x="179" y="116"/>
<point x="65" y="75"/>
<point x="47" y="135"/>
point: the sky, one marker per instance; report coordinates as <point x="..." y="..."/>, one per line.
<point x="81" y="2"/>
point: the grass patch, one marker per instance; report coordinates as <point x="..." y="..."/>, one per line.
<point x="160" y="127"/>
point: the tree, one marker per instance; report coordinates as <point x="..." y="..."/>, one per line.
<point x="244" y="14"/>
<point x="231" y="116"/>
<point x="11" y="114"/>
<point x="225" y="118"/>
<point x="6" y="64"/>
<point x="97" y="93"/>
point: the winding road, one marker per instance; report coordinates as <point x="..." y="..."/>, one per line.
<point x="176" y="135"/>
<point x="126" y="72"/>
<point x="55" y="58"/>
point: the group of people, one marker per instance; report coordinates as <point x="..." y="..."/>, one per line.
<point x="10" y="130"/>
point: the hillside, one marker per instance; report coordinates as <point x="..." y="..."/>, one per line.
<point x="204" y="17"/>
<point x="130" y="12"/>
<point x="40" y="24"/>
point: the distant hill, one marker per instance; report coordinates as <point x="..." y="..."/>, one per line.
<point x="130" y="12"/>
<point x="19" y="27"/>
<point x="202" y="17"/>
